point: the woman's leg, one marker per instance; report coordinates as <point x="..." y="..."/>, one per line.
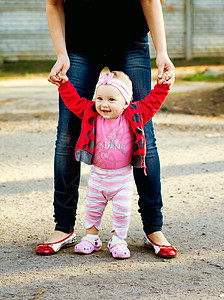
<point x="135" y="62"/>
<point x="83" y="74"/>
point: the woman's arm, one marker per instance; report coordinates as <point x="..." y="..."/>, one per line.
<point x="56" y="22"/>
<point x="152" y="10"/>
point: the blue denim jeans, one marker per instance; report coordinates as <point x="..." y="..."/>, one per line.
<point x="84" y="71"/>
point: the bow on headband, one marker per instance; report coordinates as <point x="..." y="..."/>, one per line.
<point x="106" y="79"/>
<point x="120" y="85"/>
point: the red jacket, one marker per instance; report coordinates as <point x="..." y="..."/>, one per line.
<point x="138" y="113"/>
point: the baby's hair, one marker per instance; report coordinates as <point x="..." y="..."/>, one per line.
<point x="119" y="75"/>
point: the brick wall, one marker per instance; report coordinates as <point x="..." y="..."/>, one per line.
<point x="24" y="31"/>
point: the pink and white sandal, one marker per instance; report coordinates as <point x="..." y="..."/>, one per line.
<point x="88" y="245"/>
<point x="119" y="249"/>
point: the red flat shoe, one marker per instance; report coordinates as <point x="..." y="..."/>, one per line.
<point x="52" y="248"/>
<point x="161" y="250"/>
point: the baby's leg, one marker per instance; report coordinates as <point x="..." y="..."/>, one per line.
<point x="92" y="230"/>
<point x="95" y="205"/>
<point x="122" y="203"/>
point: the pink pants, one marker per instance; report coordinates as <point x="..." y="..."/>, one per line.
<point x="105" y="185"/>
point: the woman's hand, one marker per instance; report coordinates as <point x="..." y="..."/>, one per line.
<point x="60" y="67"/>
<point x="165" y="65"/>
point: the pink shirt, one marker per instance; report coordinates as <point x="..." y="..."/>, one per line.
<point x="114" y="143"/>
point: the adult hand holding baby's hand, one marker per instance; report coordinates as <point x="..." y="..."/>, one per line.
<point x="60" y="67"/>
<point x="61" y="77"/>
<point x="166" y="69"/>
<point x="166" y="79"/>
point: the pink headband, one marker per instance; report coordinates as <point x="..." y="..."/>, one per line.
<point x="120" y="85"/>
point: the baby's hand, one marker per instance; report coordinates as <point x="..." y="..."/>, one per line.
<point x="61" y="78"/>
<point x="167" y="79"/>
<point x="58" y="78"/>
<point x="165" y="76"/>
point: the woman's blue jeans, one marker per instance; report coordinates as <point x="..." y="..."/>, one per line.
<point x="84" y="71"/>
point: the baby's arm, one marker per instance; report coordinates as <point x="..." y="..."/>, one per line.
<point x="70" y="97"/>
<point x="152" y="103"/>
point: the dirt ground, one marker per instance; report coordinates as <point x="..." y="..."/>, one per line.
<point x="191" y="151"/>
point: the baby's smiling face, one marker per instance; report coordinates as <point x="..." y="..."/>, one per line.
<point x="110" y="103"/>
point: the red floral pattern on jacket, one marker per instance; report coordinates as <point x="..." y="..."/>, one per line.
<point x="138" y="113"/>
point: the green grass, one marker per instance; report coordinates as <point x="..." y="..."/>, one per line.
<point x="26" y="68"/>
<point x="197" y="61"/>
<point x="23" y="68"/>
<point x="204" y="77"/>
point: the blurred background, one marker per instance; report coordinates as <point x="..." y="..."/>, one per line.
<point x="194" y="28"/>
<point x="195" y="40"/>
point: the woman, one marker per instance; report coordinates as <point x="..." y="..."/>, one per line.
<point x="88" y="35"/>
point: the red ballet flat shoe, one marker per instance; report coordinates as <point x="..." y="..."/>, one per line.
<point x="52" y="248"/>
<point x="161" y="250"/>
